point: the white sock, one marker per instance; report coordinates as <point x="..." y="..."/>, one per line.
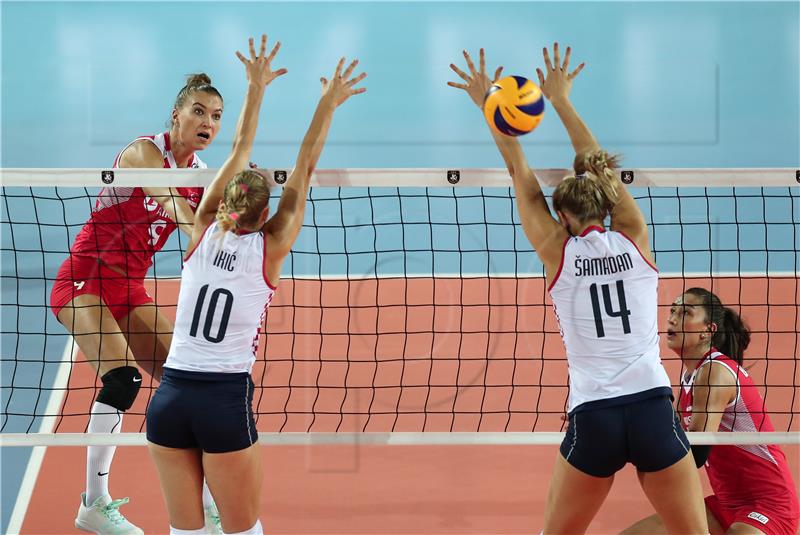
<point x="176" y="531"/>
<point x="104" y="419"/>
<point x="208" y="499"/>
<point x="255" y="530"/>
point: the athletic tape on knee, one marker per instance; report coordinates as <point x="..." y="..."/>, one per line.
<point x="120" y="387"/>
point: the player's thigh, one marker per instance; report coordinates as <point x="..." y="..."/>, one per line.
<point x="96" y="332"/>
<point x="659" y="449"/>
<point x="149" y="334"/>
<point x="180" y="472"/>
<point x="592" y="451"/>
<point x="573" y="498"/>
<point x="226" y="431"/>
<point x="740" y="528"/>
<point x="234" y="479"/>
<point x="676" y="495"/>
<point x="652" y="525"/>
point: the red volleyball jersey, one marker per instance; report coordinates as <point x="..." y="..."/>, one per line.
<point x="742" y="474"/>
<point x="126" y="226"/>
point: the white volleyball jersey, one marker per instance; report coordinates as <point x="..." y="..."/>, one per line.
<point x="222" y="303"/>
<point x="605" y="295"/>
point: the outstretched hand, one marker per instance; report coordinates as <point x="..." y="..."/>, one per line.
<point x="259" y="67"/>
<point x="558" y="81"/>
<point x="477" y="82"/>
<point x="340" y="87"/>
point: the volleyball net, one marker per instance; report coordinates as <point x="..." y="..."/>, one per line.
<point x="412" y="308"/>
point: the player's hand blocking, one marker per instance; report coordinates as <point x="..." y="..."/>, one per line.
<point x="259" y="67"/>
<point x="340" y="87"/>
<point x="557" y="82"/>
<point x="478" y="83"/>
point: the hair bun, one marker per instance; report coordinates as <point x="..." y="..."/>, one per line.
<point x="198" y="79"/>
<point x="601" y="159"/>
<point x="598" y="159"/>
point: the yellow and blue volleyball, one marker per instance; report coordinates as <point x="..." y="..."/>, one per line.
<point x="514" y="105"/>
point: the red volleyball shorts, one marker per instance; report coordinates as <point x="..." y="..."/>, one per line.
<point x="770" y="520"/>
<point x="81" y="275"/>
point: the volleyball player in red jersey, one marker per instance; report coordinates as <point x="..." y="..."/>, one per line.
<point x="99" y="293"/>
<point x="752" y="484"/>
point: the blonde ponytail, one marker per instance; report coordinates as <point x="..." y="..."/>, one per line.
<point x="227" y="220"/>
<point x="244" y="198"/>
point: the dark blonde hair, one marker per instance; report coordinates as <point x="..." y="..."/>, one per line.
<point x="592" y="193"/>
<point x="194" y="83"/>
<point x="245" y="197"/>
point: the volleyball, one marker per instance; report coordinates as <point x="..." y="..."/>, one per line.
<point x="514" y="106"/>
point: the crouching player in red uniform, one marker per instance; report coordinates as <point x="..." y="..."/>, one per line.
<point x="752" y="485"/>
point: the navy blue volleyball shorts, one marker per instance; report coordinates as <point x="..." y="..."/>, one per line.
<point x="600" y="440"/>
<point x="210" y="411"/>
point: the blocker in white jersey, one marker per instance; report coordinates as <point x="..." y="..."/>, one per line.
<point x="206" y="394"/>
<point x="235" y="256"/>
<point x="222" y="303"/>
<point x="605" y="295"/>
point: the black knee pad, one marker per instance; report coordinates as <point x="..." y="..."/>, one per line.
<point x="120" y="387"/>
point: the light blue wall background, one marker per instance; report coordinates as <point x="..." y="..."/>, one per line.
<point x="689" y="84"/>
<point x="683" y="84"/>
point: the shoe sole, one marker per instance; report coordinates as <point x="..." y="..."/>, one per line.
<point x="82" y="528"/>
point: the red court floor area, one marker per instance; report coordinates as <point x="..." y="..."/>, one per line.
<point x="413" y="355"/>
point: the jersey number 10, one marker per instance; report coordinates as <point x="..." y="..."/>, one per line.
<point x="622" y="313"/>
<point x="212" y="309"/>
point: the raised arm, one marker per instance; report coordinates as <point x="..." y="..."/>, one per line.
<point x="285" y="225"/>
<point x="259" y="76"/>
<point x="556" y="85"/>
<point x="144" y="154"/>
<point x="543" y="231"/>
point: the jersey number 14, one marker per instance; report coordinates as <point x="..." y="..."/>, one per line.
<point x="622" y="313"/>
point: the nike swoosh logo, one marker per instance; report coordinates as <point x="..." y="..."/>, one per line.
<point x="137" y="380"/>
<point x="102" y="474"/>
